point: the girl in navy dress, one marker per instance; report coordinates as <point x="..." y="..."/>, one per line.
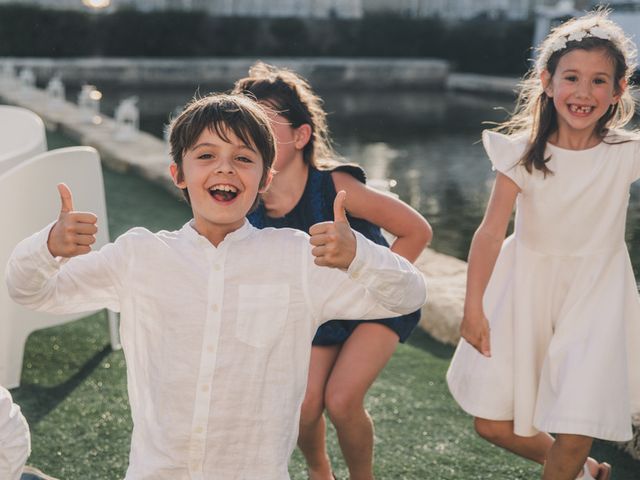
<point x="346" y="356"/>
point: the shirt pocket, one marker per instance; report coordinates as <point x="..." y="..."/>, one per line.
<point x="262" y="313"/>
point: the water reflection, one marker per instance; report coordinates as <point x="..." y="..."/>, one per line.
<point x="428" y="142"/>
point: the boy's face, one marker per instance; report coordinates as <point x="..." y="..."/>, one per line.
<point x="223" y="180"/>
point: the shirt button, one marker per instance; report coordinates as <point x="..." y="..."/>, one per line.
<point x="214" y="307"/>
<point x="355" y="275"/>
<point x="205" y="388"/>
<point x="198" y="430"/>
<point x="211" y="349"/>
<point x="216" y="268"/>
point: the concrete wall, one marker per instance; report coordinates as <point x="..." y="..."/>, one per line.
<point x="323" y="73"/>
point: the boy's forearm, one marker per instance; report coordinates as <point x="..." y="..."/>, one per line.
<point x="41" y="282"/>
<point x="29" y="269"/>
<point x="391" y="279"/>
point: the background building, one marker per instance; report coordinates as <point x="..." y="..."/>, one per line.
<point x="458" y="9"/>
<point x="256" y="8"/>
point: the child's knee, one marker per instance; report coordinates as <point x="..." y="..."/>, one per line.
<point x="312" y="408"/>
<point x="491" y="430"/>
<point x="574" y="445"/>
<point x="341" y="405"/>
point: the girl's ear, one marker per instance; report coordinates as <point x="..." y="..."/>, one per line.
<point x="178" y="178"/>
<point x="622" y="87"/>
<point x="302" y="136"/>
<point x="545" y="79"/>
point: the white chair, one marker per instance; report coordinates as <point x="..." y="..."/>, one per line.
<point x="22" y="136"/>
<point x="30" y="200"/>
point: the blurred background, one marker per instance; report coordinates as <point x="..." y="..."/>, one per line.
<point x="409" y="86"/>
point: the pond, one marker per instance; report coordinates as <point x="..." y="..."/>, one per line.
<point x="427" y="143"/>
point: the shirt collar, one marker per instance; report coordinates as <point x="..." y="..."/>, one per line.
<point x="192" y="234"/>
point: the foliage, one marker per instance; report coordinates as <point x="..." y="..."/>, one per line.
<point x="480" y="45"/>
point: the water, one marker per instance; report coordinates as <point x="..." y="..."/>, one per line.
<point x="429" y="143"/>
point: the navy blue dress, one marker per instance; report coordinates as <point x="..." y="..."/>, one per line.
<point x="316" y="205"/>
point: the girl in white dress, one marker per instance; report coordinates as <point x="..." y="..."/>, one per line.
<point x="551" y="327"/>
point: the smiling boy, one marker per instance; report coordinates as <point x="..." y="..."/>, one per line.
<point x="216" y="318"/>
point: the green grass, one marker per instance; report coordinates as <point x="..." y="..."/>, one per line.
<point x="73" y="391"/>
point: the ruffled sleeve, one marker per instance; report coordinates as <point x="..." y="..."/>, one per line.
<point x="504" y="153"/>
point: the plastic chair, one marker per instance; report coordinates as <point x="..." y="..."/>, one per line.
<point x="22" y="136"/>
<point x="30" y="201"/>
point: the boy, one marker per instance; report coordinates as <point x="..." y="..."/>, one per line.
<point x="216" y="318"/>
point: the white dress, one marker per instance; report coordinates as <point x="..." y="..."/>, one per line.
<point x="562" y="301"/>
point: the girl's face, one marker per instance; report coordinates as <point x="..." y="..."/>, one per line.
<point x="583" y="87"/>
<point x="290" y="141"/>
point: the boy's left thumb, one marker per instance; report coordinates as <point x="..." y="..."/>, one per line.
<point x="339" y="214"/>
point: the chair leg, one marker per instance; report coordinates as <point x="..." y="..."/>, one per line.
<point x="114" y="330"/>
<point x="11" y="357"/>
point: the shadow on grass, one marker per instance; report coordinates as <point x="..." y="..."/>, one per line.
<point x="37" y="401"/>
<point x="623" y="466"/>
<point x="422" y="340"/>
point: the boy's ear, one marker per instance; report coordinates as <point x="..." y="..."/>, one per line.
<point x="267" y="182"/>
<point x="175" y="174"/>
<point x="302" y="135"/>
<point x="545" y="79"/>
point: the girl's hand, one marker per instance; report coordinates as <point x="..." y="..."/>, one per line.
<point x="74" y="232"/>
<point x="475" y="330"/>
<point x="334" y="244"/>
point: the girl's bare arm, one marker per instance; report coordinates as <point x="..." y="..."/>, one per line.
<point x="483" y="254"/>
<point x="411" y="230"/>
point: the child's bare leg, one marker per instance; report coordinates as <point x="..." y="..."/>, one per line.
<point x="311" y="438"/>
<point x="363" y="356"/>
<point x="534" y="448"/>
<point x="500" y="433"/>
<point x="566" y="457"/>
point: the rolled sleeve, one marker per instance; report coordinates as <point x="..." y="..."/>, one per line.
<point x="377" y="284"/>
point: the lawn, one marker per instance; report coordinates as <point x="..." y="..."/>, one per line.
<point x="73" y="391"/>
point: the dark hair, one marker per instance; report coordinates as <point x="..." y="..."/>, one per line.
<point x="290" y="95"/>
<point x="535" y="112"/>
<point x="221" y="114"/>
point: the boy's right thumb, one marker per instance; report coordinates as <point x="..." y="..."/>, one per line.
<point x="66" y="198"/>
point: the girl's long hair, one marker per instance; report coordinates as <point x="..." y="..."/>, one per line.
<point x="291" y="95"/>
<point x="535" y="112"/>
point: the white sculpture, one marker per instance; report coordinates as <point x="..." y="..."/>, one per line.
<point x="89" y="104"/>
<point x="27" y="81"/>
<point x="127" y="116"/>
<point x="8" y="74"/>
<point x="55" y="92"/>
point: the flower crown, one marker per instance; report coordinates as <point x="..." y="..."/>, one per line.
<point x="595" y="31"/>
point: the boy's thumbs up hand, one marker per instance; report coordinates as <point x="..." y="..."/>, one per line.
<point x="74" y="232"/>
<point x="334" y="244"/>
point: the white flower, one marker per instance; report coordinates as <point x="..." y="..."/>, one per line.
<point x="600" y="32"/>
<point x="558" y="44"/>
<point x="577" y="36"/>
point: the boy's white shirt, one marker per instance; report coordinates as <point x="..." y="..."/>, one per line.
<point x="15" y="441"/>
<point x="217" y="340"/>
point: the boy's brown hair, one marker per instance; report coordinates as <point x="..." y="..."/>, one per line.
<point x="223" y="113"/>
